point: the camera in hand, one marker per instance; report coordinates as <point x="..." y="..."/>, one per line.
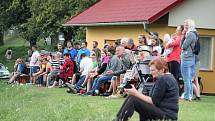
<point x="127" y="85"/>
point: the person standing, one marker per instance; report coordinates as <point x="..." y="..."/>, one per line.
<point x="83" y="49"/>
<point x="69" y="49"/>
<point x="188" y="58"/>
<point x="96" y="50"/>
<point x="60" y="48"/>
<point x="155" y="47"/>
<point x="77" y="46"/>
<point x="173" y="59"/>
<point x="196" y="86"/>
<point x="34" y="62"/>
<point x="142" y="41"/>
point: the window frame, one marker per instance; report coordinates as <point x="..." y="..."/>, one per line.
<point x="210" y="69"/>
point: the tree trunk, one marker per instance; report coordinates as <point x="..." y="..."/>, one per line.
<point x="54" y="40"/>
<point x="1" y="38"/>
<point x="33" y="41"/>
<point x="68" y="34"/>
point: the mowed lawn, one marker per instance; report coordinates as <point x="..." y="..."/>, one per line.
<point x="29" y="103"/>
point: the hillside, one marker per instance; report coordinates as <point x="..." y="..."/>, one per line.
<point x="19" y="47"/>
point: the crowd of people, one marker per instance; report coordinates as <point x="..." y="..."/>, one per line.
<point x="84" y="71"/>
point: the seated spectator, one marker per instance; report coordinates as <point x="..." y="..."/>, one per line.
<point x="113" y="67"/>
<point x="104" y="60"/>
<point x="55" y="63"/>
<point x="98" y="70"/>
<point x="124" y="43"/>
<point x="76" y="76"/>
<point x="125" y="61"/>
<point x="42" y="68"/>
<point x="40" y="74"/>
<point x="133" y="73"/>
<point x="86" y="65"/>
<point x="66" y="70"/>
<point x="20" y="68"/>
<point x="43" y="76"/>
<point x="161" y="104"/>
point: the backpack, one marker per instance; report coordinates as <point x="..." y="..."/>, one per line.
<point x="196" y="48"/>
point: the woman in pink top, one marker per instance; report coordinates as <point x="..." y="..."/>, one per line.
<point x="173" y="58"/>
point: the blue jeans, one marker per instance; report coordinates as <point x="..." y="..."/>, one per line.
<point x="80" y="82"/>
<point x="51" y="76"/>
<point x="188" y="71"/>
<point x="98" y="81"/>
<point x="40" y="79"/>
<point x="33" y="69"/>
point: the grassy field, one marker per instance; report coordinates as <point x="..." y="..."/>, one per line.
<point x="27" y="103"/>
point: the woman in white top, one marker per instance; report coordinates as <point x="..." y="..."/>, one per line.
<point x="155" y="45"/>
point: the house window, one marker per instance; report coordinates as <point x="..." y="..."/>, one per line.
<point x="109" y="41"/>
<point x="112" y="42"/>
<point x="206" y="53"/>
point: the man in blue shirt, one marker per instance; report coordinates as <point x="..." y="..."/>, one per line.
<point x="83" y="49"/>
<point x="71" y="50"/>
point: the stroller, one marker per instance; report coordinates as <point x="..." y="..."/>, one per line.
<point x="145" y="82"/>
<point x="145" y="79"/>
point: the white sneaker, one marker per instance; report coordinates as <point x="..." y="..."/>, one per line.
<point x="50" y="87"/>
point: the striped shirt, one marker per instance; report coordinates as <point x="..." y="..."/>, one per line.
<point x="55" y="64"/>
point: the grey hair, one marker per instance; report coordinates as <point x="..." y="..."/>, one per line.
<point x="191" y="25"/>
<point x="125" y="39"/>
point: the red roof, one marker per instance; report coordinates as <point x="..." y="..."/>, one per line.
<point x="115" y="11"/>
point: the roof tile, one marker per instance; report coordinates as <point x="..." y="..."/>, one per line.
<point x="109" y="11"/>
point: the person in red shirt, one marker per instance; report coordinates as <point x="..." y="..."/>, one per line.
<point x="173" y="59"/>
<point x="66" y="70"/>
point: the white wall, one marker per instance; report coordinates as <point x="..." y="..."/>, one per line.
<point x="201" y="11"/>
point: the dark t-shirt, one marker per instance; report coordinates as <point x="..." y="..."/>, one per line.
<point x="165" y="95"/>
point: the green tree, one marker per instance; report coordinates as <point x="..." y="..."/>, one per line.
<point x="49" y="15"/>
<point x="4" y="5"/>
<point x="13" y="14"/>
<point x="36" y="19"/>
